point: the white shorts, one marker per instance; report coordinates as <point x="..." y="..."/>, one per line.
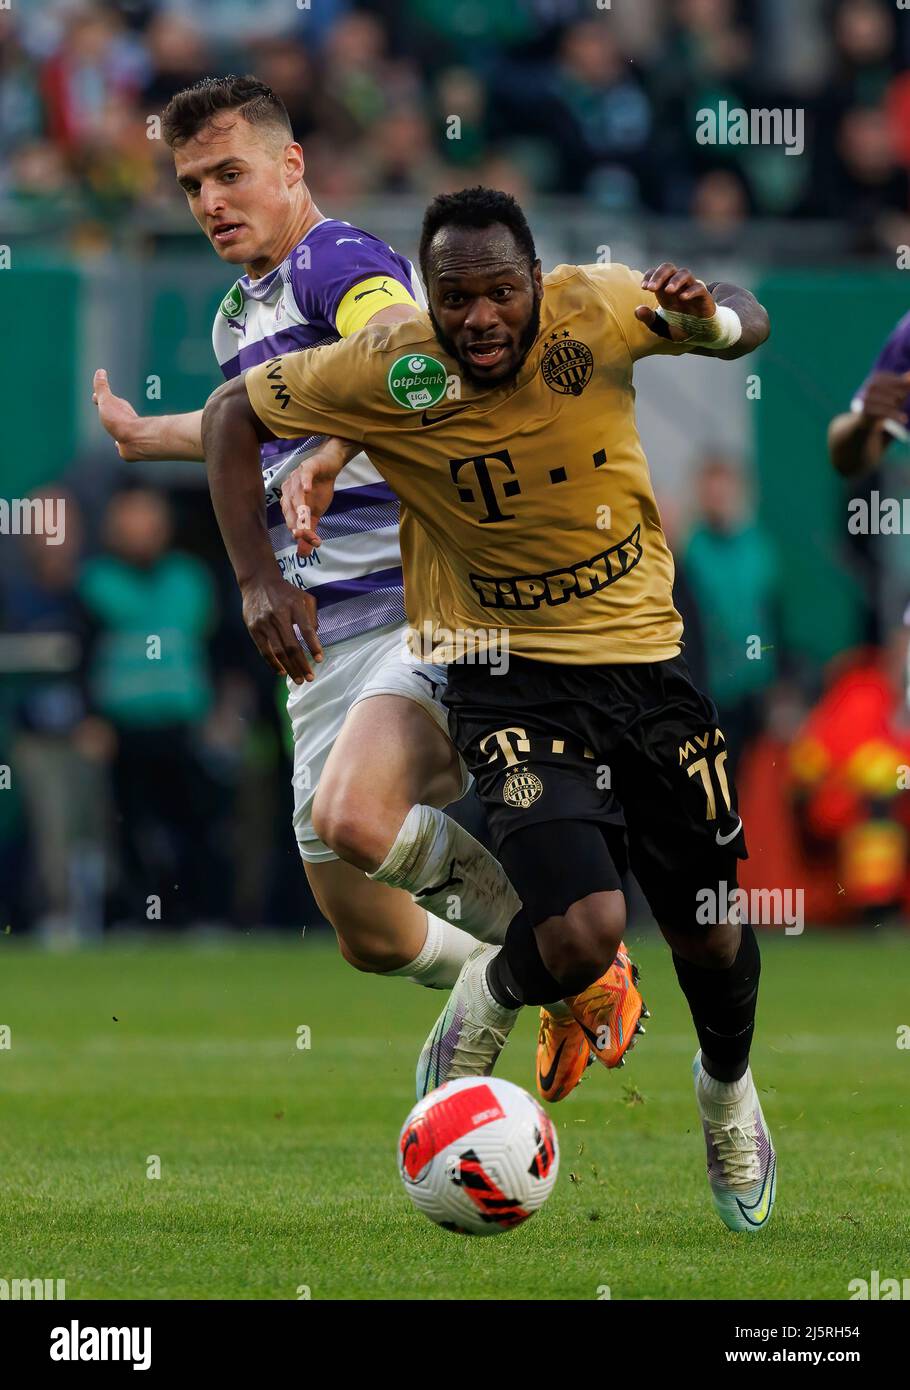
<point x="376" y="663"/>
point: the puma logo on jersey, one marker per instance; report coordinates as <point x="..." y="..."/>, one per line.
<point x="377" y="289"/>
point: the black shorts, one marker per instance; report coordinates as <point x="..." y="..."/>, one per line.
<point x="548" y="741"/>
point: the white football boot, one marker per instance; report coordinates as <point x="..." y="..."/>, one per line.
<point x="742" y="1164"/>
<point x="471" y="1031"/>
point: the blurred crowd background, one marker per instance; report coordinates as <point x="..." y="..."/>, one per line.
<point x="156" y="788"/>
<point x="550" y="99"/>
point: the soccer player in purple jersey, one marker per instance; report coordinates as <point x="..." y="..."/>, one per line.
<point x="879" y="412"/>
<point x="310" y="280"/>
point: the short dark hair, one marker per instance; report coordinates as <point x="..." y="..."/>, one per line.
<point x="475" y="207"/>
<point x="188" y="111"/>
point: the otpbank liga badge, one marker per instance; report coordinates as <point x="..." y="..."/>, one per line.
<point x="417" y="381"/>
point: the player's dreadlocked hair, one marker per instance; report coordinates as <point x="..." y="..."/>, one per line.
<point x="188" y="111"/>
<point x="475" y="207"/>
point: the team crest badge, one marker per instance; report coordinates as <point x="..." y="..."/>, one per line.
<point x="232" y="302"/>
<point x="567" y="364"/>
<point x="417" y="381"/>
<point x="521" y="789"/>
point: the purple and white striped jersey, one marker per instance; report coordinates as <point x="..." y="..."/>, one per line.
<point x="894" y="357"/>
<point x="355" y="575"/>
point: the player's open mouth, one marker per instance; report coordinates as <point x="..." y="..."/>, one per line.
<point x="225" y="231"/>
<point x="487" y="354"/>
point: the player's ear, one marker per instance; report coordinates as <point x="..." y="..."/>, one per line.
<point x="537" y="277"/>
<point x="294" y="163"/>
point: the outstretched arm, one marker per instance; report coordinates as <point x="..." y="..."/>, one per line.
<point x="281" y="618"/>
<point x="141" y="437"/>
<point x="716" y="320"/>
<point x="858" y="438"/>
<point x="155" y="437"/>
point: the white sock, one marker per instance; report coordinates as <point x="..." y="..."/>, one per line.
<point x="438" y="962"/>
<point x="724" y="1092"/>
<point x="451" y="874"/>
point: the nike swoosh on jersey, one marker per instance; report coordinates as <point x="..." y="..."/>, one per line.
<point x="725" y="839"/>
<point x="757" y="1212"/>
<point x="342" y="239"/>
<point x="546" y="1081"/>
<point x="438" y="419"/>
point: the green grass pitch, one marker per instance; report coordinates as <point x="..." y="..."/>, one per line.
<point x="278" y="1162"/>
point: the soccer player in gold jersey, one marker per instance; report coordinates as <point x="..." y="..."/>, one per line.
<point x="504" y="420"/>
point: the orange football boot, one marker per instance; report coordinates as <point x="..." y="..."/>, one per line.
<point x="562" y="1055"/>
<point x="609" y="1012"/>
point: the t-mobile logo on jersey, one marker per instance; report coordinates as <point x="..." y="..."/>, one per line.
<point x="485" y="483"/>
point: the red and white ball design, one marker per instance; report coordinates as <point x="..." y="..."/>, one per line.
<point x="478" y="1156"/>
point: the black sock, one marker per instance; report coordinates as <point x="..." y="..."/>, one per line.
<point x="516" y="974"/>
<point x="722" y="1003"/>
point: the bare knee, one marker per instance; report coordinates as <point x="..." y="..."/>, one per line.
<point x="579" y="946"/>
<point x="351" y="829"/>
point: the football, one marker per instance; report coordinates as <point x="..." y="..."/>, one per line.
<point x="478" y="1156"/>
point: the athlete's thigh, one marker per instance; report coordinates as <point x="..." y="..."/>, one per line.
<point x="670" y="774"/>
<point x="317" y="712"/>
<point x="519" y="736"/>
<point x="394" y="746"/>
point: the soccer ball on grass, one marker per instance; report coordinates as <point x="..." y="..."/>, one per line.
<point x="478" y="1155"/>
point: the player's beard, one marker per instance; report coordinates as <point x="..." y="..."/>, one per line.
<point x="526" y="341"/>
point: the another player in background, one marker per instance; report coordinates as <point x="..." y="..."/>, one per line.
<point x="311" y="280"/>
<point x="879" y="412"/>
<point x="858" y="445"/>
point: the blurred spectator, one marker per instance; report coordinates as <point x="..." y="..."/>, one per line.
<point x="720" y="203"/>
<point x="857" y="176"/>
<point x="684" y="600"/>
<point x="864" y="45"/>
<point x="94" y="64"/>
<point x="60" y="749"/>
<point x="291" y="71"/>
<point x="21" y="109"/>
<point x="461" y="95"/>
<point x="598" y="111"/>
<point x="849" y="768"/>
<point x="731" y="568"/>
<point x="154" y="608"/>
<point x="578" y="102"/>
<point x="402" y="157"/>
<point x="177" y="57"/>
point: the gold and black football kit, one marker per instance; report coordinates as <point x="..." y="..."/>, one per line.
<point x="535" y="496"/>
<point x="527" y="509"/>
